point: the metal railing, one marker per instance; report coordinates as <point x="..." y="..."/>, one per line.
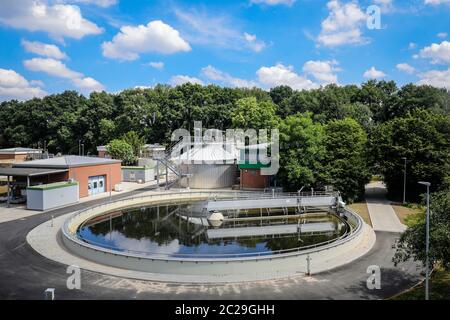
<point x="355" y="229"/>
<point x="218" y="255"/>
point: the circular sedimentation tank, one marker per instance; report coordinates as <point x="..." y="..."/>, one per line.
<point x="180" y="231"/>
<point x="174" y="234"/>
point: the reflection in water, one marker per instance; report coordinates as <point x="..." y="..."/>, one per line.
<point x="183" y="230"/>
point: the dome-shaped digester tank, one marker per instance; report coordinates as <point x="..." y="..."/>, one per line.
<point x="208" y="166"/>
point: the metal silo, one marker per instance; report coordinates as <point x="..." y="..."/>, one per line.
<point x="210" y="166"/>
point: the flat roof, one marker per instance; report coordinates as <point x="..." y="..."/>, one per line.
<point x="54" y="185"/>
<point x="19" y="150"/>
<point x="152" y="146"/>
<point x="66" y="162"/>
<point x="27" y="172"/>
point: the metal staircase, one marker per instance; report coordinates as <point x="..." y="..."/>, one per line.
<point x="166" y="161"/>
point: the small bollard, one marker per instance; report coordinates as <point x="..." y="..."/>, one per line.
<point x="308" y="265"/>
<point x="52" y="220"/>
<point x="49" y="294"/>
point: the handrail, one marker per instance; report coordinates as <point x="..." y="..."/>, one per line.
<point x="354" y="231"/>
<point x="219" y="255"/>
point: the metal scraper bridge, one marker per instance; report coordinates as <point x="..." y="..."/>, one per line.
<point x="245" y="201"/>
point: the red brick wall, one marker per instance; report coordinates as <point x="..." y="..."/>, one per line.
<point x="19" y="157"/>
<point x="252" y="179"/>
<point x="103" y="154"/>
<point x="82" y="174"/>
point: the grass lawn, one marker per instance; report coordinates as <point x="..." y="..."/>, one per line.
<point x="361" y="209"/>
<point x="439" y="288"/>
<point x="406" y="213"/>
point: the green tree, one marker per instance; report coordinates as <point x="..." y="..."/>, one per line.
<point x="379" y="96"/>
<point x="251" y="114"/>
<point x="423" y="137"/>
<point x="360" y="112"/>
<point x="136" y="142"/>
<point x="119" y="149"/>
<point x="302" y="150"/>
<point x="411" y="97"/>
<point x="412" y="241"/>
<point x="107" y="130"/>
<point x="280" y="96"/>
<point x="345" y="159"/>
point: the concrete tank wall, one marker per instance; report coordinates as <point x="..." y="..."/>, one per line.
<point x="208" y="176"/>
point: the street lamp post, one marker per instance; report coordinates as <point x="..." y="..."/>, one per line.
<point x="427" y="240"/>
<point x="404" y="182"/>
<point x="110" y="185"/>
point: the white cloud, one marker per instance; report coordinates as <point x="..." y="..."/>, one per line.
<point x="15" y="86"/>
<point x="405" y="68"/>
<point x="435" y="2"/>
<point x="156" y="36"/>
<point x="343" y="24"/>
<point x="142" y="245"/>
<point x="412" y="45"/>
<point x="322" y="71"/>
<point x="283" y="75"/>
<point x="273" y="2"/>
<point x="89" y="84"/>
<point x="143" y="87"/>
<point x="442" y="35"/>
<point x="386" y="5"/>
<point x="156" y="64"/>
<point x="373" y="73"/>
<point x="438" y="53"/>
<point x="217" y="75"/>
<point x="180" y="79"/>
<point x="254" y="43"/>
<point x="58" y="69"/>
<point x="52" y="67"/>
<point x="43" y="49"/>
<point x="58" y="20"/>
<point x="100" y="3"/>
<point x="217" y="30"/>
<point x="436" y="78"/>
<point x="37" y="83"/>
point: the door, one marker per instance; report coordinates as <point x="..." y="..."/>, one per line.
<point x="101" y="184"/>
<point x="96" y="185"/>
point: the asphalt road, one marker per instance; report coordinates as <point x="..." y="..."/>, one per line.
<point x="24" y="274"/>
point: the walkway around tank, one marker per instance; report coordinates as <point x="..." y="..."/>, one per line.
<point x="381" y="213"/>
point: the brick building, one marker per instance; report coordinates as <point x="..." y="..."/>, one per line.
<point x="94" y="175"/>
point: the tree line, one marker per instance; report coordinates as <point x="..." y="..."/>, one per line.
<point x="335" y="135"/>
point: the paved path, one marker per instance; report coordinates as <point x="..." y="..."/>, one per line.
<point x="382" y="215"/>
<point x="24" y="274"/>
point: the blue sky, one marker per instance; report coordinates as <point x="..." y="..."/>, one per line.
<point x="88" y="45"/>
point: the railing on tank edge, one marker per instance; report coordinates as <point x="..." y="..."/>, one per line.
<point x="349" y="235"/>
